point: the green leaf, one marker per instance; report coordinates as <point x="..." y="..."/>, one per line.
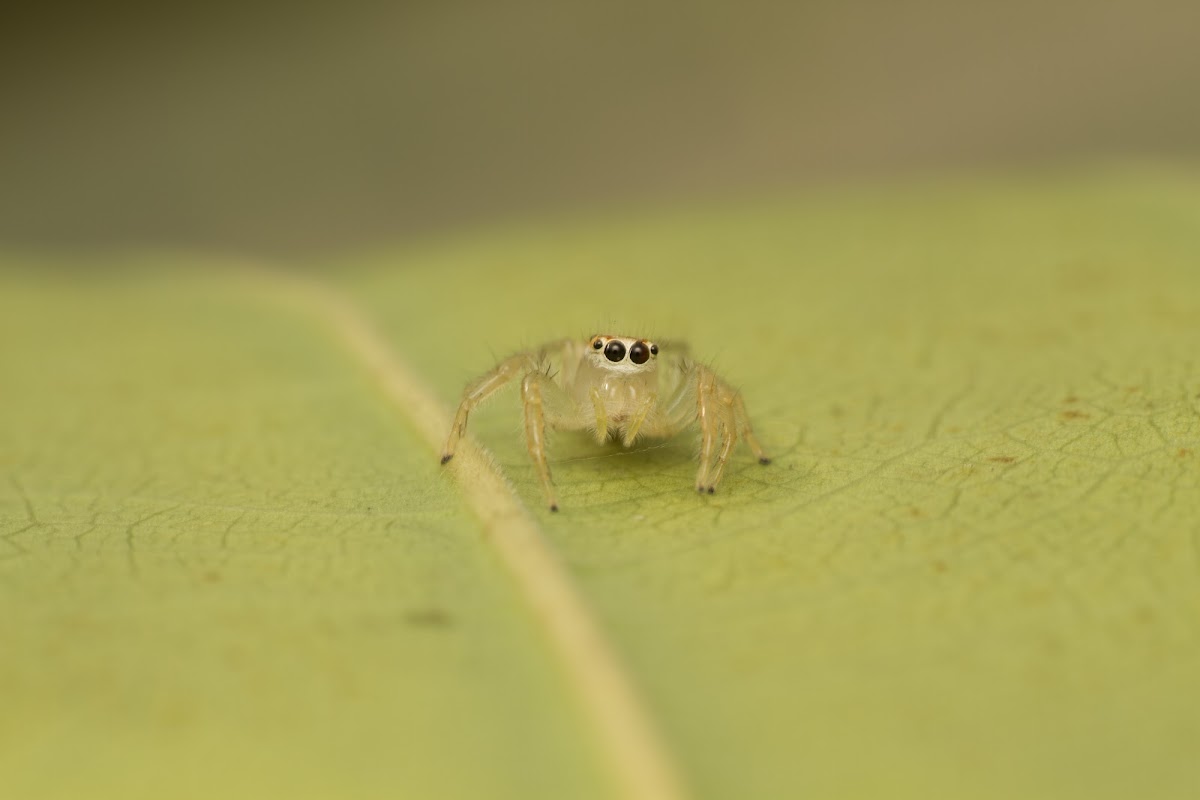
<point x="228" y="569"/>
<point x="231" y="564"/>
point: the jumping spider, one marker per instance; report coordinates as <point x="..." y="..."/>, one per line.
<point x="612" y="385"/>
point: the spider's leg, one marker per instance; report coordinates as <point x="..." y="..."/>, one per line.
<point x="725" y="404"/>
<point x="707" y="414"/>
<point x="482" y="388"/>
<point x="744" y="430"/>
<point x="537" y="392"/>
<point x="731" y="420"/>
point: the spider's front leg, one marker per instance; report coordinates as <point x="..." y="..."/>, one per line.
<point x="543" y="398"/>
<point x="481" y="389"/>
<point x="707" y="414"/>
<point x="720" y="410"/>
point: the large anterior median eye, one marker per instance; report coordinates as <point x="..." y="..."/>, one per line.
<point x="639" y="353"/>
<point x="614" y="351"/>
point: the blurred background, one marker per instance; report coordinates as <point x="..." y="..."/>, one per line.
<point x="292" y="128"/>
<point x="969" y="568"/>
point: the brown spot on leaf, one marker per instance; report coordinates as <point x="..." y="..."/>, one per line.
<point x="1073" y="414"/>
<point x="939" y="566"/>
<point x="1003" y="459"/>
<point x="1070" y="399"/>
<point x="1184" y="452"/>
<point x="429" y="618"/>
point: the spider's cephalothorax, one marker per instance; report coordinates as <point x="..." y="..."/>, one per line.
<point x="613" y="386"/>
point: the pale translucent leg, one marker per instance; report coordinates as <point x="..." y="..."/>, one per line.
<point x="721" y="414"/>
<point x="481" y="389"/>
<point x="734" y="423"/>
<point x="728" y="437"/>
<point x="497" y="378"/>
<point x="542" y="398"/>
<point x="707" y="415"/>
<point x="745" y="431"/>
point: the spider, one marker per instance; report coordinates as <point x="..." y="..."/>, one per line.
<point x="613" y="386"/>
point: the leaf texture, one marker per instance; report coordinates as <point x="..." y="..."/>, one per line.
<point x="230" y="564"/>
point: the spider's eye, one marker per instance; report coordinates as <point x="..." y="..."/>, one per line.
<point x="639" y="353"/>
<point x="653" y="349"/>
<point x="615" y="351"/>
<point x="597" y="344"/>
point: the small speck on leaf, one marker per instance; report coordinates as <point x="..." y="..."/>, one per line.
<point x="429" y="618"/>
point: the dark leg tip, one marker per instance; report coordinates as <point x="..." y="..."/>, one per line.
<point x="554" y="506"/>
<point x="447" y="457"/>
<point x="711" y="489"/>
<point x="764" y="461"/>
<point x="700" y="489"/>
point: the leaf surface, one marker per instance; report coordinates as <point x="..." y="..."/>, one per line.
<point x="973" y="568"/>
<point x="227" y="570"/>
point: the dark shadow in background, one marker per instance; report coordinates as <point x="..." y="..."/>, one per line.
<point x="286" y="128"/>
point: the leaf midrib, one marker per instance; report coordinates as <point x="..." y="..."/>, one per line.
<point x="621" y="724"/>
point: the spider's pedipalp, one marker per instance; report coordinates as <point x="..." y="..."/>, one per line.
<point x="601" y="431"/>
<point x="637" y="419"/>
